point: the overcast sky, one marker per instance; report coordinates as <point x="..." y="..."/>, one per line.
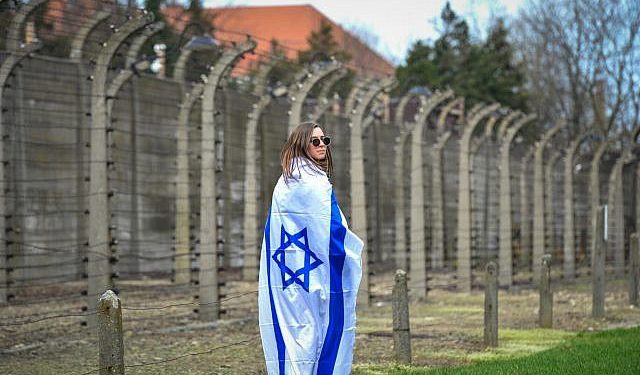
<point x="397" y="24"/>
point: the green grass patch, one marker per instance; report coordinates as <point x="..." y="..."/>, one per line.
<point x="610" y="352"/>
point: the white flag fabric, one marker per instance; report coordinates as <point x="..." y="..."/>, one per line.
<point x="310" y="270"/>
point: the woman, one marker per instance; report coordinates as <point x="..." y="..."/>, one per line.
<point x="310" y="265"/>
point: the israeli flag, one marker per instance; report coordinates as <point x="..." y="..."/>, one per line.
<point x="310" y="270"/>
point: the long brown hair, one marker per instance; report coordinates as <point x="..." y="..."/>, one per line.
<point x="297" y="145"/>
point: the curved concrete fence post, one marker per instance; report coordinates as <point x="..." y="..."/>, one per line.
<point x="376" y="107"/>
<point x="357" y="190"/>
<point x="132" y="55"/>
<point x="506" y="121"/>
<point x="100" y="240"/>
<point x="77" y="55"/>
<point x="437" y="193"/>
<point x="15" y="40"/>
<point x="181" y="260"/>
<point x="400" y="223"/>
<point x="401" y="253"/>
<point x="80" y="39"/>
<point x="251" y="245"/>
<point x="480" y="197"/>
<point x="569" y="253"/>
<point x="300" y="90"/>
<point x="549" y="201"/>
<point x="538" y="199"/>
<point x="637" y="196"/>
<point x="6" y="69"/>
<point x="463" y="274"/>
<point x="472" y="112"/>
<point x="417" y="240"/>
<point x="139" y="41"/>
<point x="594" y="184"/>
<point x="448" y="109"/>
<point x="356" y="92"/>
<point x="209" y="295"/>
<point x="634" y="140"/>
<point x="324" y="102"/>
<point x="112" y="94"/>
<point x="18" y="48"/>
<point x="525" y="211"/>
<point x="505" y="254"/>
<point x="179" y="70"/>
<point x="615" y="204"/>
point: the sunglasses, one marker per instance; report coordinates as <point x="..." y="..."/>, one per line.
<point x="323" y="139"/>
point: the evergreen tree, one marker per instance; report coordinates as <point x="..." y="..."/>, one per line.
<point x="505" y="80"/>
<point x="322" y="46"/>
<point x="480" y="71"/>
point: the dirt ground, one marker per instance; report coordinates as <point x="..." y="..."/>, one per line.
<point x="446" y="328"/>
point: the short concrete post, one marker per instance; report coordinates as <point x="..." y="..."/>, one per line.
<point x="491" y="306"/>
<point x="110" y="342"/>
<point x="634" y="272"/>
<point x="401" y="330"/>
<point x="545" y="314"/>
<point x="597" y="263"/>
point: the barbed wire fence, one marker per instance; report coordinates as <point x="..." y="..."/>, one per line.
<point x="150" y="242"/>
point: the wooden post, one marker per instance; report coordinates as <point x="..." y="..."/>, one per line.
<point x="401" y="330"/>
<point x="634" y="272"/>
<point x="597" y="263"/>
<point x="110" y="342"/>
<point x="545" y="317"/>
<point x="491" y="306"/>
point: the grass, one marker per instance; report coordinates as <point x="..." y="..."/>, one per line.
<point x="610" y="352"/>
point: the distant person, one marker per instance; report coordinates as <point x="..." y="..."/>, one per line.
<point x="310" y="266"/>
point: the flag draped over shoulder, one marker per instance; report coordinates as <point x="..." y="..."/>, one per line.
<point x="310" y="271"/>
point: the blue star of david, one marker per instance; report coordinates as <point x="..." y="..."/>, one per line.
<point x="290" y="276"/>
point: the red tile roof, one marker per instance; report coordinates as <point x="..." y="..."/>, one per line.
<point x="290" y="26"/>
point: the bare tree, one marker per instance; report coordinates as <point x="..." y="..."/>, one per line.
<point x="582" y="61"/>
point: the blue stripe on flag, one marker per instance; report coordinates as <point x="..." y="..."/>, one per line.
<point x="274" y="315"/>
<point x="336" y="302"/>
